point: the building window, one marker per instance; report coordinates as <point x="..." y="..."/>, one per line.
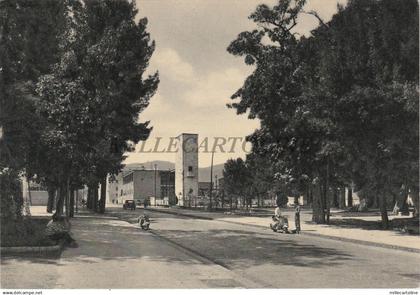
<point x="190" y="172"/>
<point x="128" y="178"/>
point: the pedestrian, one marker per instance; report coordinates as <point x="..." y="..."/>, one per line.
<point x="297" y="218"/>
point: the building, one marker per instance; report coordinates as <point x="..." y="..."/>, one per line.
<point x="186" y="169"/>
<point x="34" y="192"/>
<point x="157" y="186"/>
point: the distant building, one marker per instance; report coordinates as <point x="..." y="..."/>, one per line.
<point x="35" y="193"/>
<point x="157" y="186"/>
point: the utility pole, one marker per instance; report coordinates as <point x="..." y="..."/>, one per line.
<point x="155" y="183"/>
<point x="216" y="189"/>
<point x="211" y="178"/>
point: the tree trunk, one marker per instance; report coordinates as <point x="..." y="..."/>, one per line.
<point x="318" y="209"/>
<point x="61" y="197"/>
<point x="246" y="200"/>
<point x="327" y="205"/>
<point x="309" y="200"/>
<point x="103" y="196"/>
<point x="51" y="199"/>
<point x="342" y="198"/>
<point x="89" y="197"/>
<point x="67" y="198"/>
<point x="350" y="197"/>
<point x="72" y="203"/>
<point x="95" y="198"/>
<point x="375" y="202"/>
<point x="384" y="213"/>
<point x="335" y="200"/>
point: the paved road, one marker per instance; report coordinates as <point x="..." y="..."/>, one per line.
<point x="287" y="261"/>
<point x="181" y="252"/>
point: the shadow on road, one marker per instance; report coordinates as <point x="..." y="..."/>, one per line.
<point x="238" y="248"/>
<point x="102" y="239"/>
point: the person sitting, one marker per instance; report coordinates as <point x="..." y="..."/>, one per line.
<point x="58" y="229"/>
<point x="281" y="223"/>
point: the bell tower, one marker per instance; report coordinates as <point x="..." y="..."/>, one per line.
<point x="186" y="169"/>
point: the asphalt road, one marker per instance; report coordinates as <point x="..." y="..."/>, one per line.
<point x="181" y="252"/>
<point x="277" y="260"/>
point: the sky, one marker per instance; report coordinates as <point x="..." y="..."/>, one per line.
<point x="198" y="75"/>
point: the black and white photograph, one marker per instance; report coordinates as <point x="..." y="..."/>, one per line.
<point x="184" y="146"/>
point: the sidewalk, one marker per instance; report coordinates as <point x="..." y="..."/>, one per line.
<point x="114" y="254"/>
<point x="371" y="237"/>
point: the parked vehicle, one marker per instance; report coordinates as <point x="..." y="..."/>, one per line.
<point x="129" y="204"/>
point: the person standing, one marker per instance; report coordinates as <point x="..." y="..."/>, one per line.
<point x="297" y="218"/>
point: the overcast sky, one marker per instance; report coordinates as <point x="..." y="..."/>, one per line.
<point x="197" y="74"/>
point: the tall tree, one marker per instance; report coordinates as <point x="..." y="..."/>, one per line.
<point x="236" y="179"/>
<point x="98" y="90"/>
<point x="29" y="46"/>
<point x="332" y="105"/>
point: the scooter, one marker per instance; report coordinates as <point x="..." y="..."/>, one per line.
<point x="144" y="222"/>
<point x="281" y="224"/>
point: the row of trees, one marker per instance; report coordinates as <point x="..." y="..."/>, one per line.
<point x="72" y="86"/>
<point x="338" y="108"/>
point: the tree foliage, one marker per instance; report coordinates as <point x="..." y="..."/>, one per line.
<point x="332" y="106"/>
<point x="29" y="45"/>
<point x="74" y="86"/>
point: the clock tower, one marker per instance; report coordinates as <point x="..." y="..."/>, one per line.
<point x="186" y="169"/>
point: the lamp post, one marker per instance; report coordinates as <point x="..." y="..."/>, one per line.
<point x="211" y="178"/>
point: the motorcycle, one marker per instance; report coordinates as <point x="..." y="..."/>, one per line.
<point x="144" y="222"/>
<point x="281" y="224"/>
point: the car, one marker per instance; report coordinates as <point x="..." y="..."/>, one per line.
<point x="129" y="204"/>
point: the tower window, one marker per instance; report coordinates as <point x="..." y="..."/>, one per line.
<point x="190" y="168"/>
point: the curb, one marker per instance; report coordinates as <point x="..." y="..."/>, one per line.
<point x="349" y="240"/>
<point x="181" y="214"/>
<point x="32" y="249"/>
<point x="205" y="217"/>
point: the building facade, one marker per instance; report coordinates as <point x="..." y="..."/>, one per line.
<point x="157" y="186"/>
<point x="34" y="192"/>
